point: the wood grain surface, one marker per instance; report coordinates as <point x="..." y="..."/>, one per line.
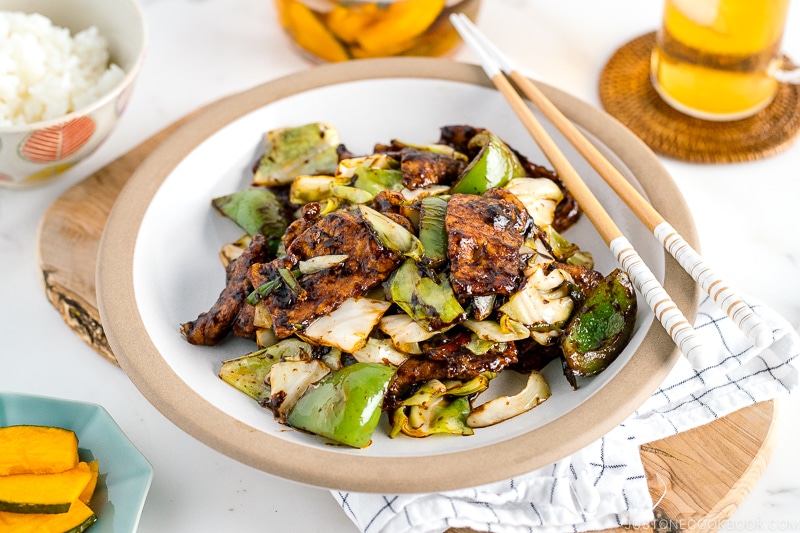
<point x="69" y="237"/>
<point x="698" y="477"/>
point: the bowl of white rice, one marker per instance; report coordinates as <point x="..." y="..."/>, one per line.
<point x="67" y="69"/>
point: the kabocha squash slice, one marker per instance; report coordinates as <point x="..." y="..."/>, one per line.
<point x="348" y="21"/>
<point x="77" y="519"/>
<point x="43" y="493"/>
<point x="37" y="450"/>
<point x="309" y="32"/>
<point x="88" y="490"/>
<point x="437" y="41"/>
<point x="399" y="25"/>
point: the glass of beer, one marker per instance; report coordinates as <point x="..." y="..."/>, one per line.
<point x="720" y="59"/>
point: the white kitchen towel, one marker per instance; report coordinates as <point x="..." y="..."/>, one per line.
<point x="604" y="485"/>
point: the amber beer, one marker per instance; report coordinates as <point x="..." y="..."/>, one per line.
<point x="713" y="59"/>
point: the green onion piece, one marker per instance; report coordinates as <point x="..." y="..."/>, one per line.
<point x="432" y="232"/>
<point x="393" y="235"/>
<point x="288" y="278"/>
<point x="351" y="194"/>
<point x="375" y="180"/>
<point x="320" y="262"/>
<point x="305" y="188"/>
<point x="262" y="291"/>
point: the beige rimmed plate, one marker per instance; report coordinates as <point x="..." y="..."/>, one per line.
<point x="158" y="267"/>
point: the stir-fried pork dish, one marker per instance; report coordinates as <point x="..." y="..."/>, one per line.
<point x="403" y="281"/>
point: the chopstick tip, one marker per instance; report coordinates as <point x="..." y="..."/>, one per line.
<point x="761" y="336"/>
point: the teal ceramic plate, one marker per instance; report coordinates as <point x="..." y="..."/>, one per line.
<point x="125" y="474"/>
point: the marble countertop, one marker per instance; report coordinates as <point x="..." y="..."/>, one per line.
<point x="202" y="50"/>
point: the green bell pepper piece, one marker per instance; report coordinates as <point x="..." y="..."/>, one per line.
<point x="494" y="166"/>
<point x="346" y="405"/>
<point x="602" y="326"/>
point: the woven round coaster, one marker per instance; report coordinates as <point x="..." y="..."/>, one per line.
<point x="627" y="94"/>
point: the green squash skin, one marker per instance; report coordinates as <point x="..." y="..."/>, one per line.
<point x="602" y="327"/>
<point x="34" y="508"/>
<point x="83" y="526"/>
<point x="346" y="405"/>
<point x="55" y="521"/>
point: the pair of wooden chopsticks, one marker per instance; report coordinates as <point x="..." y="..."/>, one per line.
<point x="500" y="70"/>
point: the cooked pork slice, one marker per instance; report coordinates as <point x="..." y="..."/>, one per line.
<point x="394" y="205"/>
<point x="309" y="214"/>
<point x="534" y="356"/>
<point x="368" y="264"/>
<point x="388" y="201"/>
<point x="484" y="236"/>
<point x="585" y="278"/>
<point x="458" y="137"/>
<point x="243" y="326"/>
<point x="211" y="327"/>
<point x="449" y="360"/>
<point x="343" y="152"/>
<point x="421" y="168"/>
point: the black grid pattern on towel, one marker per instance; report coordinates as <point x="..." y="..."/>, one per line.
<point x="736" y="380"/>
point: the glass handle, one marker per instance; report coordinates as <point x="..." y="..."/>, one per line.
<point x="787" y="72"/>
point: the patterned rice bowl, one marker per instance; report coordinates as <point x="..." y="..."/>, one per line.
<point x="33" y="154"/>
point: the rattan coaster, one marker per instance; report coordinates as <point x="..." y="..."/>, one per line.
<point x="627" y="94"/>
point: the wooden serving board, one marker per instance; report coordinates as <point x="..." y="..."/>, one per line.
<point x="698" y="477"/>
<point x="69" y="238"/>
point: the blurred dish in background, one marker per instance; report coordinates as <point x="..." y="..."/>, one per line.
<point x="339" y="30"/>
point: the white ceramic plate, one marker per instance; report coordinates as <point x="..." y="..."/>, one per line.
<point x="125" y="475"/>
<point x="158" y="268"/>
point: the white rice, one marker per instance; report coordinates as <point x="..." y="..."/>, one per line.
<point x="45" y="73"/>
